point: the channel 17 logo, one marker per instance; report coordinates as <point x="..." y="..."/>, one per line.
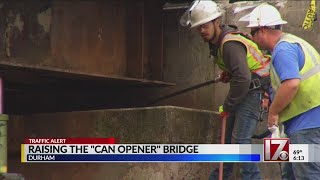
<point x="276" y="149"/>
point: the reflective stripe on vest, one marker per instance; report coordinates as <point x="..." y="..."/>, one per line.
<point x="308" y="95"/>
<point x="257" y="62"/>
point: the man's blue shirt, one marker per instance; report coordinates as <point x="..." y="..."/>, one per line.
<point x="288" y="60"/>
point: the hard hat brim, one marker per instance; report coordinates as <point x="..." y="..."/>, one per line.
<point x="211" y="18"/>
<point x="280" y="22"/>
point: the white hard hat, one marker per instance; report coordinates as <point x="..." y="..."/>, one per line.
<point x="265" y="15"/>
<point x="203" y="11"/>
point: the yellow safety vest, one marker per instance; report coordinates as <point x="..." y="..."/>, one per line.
<point x="308" y="95"/>
<point x="258" y="63"/>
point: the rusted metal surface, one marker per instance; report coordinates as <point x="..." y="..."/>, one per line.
<point x="114" y="37"/>
<point x="37" y="75"/>
<point x="79" y="55"/>
<point x="135" y="44"/>
<point x="30" y="89"/>
<point x="24" y="29"/>
<point x="145" y="40"/>
<point x="89" y="36"/>
<point x="153" y="54"/>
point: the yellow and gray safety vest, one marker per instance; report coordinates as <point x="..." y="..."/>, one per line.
<point x="258" y="63"/>
<point x="308" y="95"/>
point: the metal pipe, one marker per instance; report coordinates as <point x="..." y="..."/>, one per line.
<point x="216" y="80"/>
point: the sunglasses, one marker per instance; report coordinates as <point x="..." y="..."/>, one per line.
<point x="254" y="31"/>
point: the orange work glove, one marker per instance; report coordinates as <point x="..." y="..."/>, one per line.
<point x="223" y="114"/>
<point x="225" y="77"/>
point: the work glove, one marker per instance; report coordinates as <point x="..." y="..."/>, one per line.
<point x="275" y="132"/>
<point x="225" y="77"/>
<point x="223" y="114"/>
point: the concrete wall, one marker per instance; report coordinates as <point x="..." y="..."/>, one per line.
<point x="294" y="13"/>
<point x="187" y="62"/>
<point x="143" y="125"/>
<point x="163" y="125"/>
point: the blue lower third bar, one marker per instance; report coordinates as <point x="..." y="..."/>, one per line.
<point x="146" y="157"/>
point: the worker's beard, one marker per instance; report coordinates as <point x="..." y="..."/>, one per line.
<point x="207" y="37"/>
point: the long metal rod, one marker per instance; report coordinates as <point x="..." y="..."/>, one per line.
<point x="217" y="79"/>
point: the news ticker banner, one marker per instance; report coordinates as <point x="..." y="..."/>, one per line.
<point x="48" y="150"/>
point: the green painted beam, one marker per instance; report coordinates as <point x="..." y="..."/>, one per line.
<point x="3" y="143"/>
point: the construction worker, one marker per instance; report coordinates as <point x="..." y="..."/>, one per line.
<point x="295" y="77"/>
<point x="247" y="70"/>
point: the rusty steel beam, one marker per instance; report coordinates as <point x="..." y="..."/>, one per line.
<point x="37" y="75"/>
<point x="35" y="89"/>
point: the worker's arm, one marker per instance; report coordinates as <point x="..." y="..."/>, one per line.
<point x="235" y="60"/>
<point x="285" y="94"/>
<point x="288" y="60"/>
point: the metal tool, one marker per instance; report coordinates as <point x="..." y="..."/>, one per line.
<point x="216" y="80"/>
<point x="223" y="133"/>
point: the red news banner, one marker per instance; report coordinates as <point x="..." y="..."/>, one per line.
<point x="70" y="141"/>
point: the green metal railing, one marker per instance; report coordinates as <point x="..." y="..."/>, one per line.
<point x="3" y="143"/>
